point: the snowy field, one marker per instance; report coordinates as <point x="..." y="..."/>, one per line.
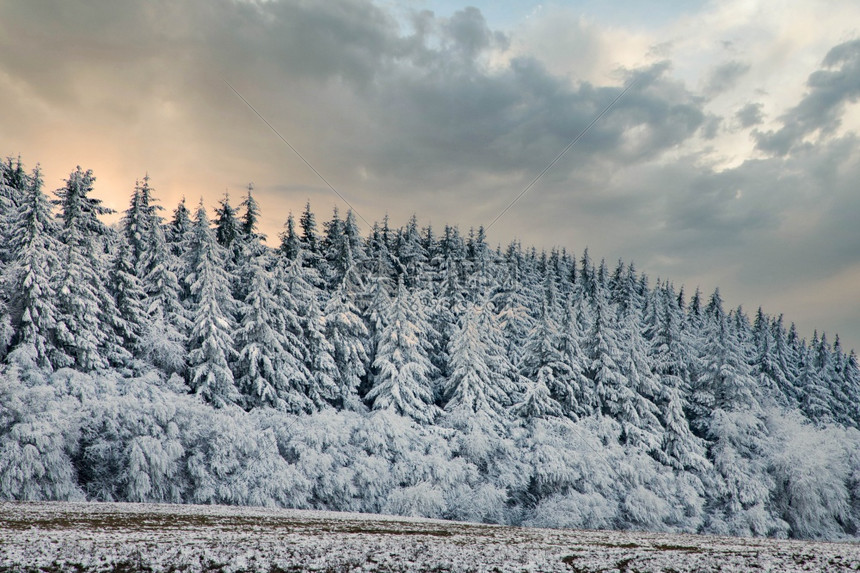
<point x="143" y="537"/>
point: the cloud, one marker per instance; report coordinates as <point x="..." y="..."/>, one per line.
<point x="711" y="127"/>
<point x="442" y="115"/>
<point x="724" y="77"/>
<point x="820" y="111"/>
<point x="750" y="115"/>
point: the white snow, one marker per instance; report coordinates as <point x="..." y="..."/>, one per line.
<point x="139" y="537"/>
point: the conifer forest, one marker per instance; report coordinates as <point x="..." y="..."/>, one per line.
<point x="179" y="356"/>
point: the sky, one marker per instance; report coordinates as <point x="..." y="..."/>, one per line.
<point x="732" y="161"/>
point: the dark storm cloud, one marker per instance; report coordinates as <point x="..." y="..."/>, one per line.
<point x="750" y="115"/>
<point x="724" y="77"/>
<point x="431" y="114"/>
<point x="766" y="223"/>
<point x="711" y="126"/>
<point x="820" y="110"/>
<point x="518" y="118"/>
<point x="421" y="104"/>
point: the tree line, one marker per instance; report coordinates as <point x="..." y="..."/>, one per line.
<point x="438" y="328"/>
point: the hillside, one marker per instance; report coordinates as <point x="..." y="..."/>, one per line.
<point x="410" y="371"/>
<point x="144" y="537"/>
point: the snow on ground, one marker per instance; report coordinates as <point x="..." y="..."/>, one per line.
<point x="144" y="537"/>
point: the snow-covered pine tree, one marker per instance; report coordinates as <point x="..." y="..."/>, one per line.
<point x="262" y="370"/>
<point x="378" y="289"/>
<point x="333" y="248"/>
<point x="178" y="232"/>
<point x="290" y="243"/>
<point x="831" y="377"/>
<point x="512" y="304"/>
<point x="345" y="330"/>
<point x="667" y="352"/>
<point x="452" y="269"/>
<point x="724" y="379"/>
<point x="311" y="244"/>
<point x="476" y="385"/>
<point x="132" y="321"/>
<point x="845" y="391"/>
<point x="815" y="395"/>
<point x="543" y="357"/>
<point x="536" y="401"/>
<point x="227" y="225"/>
<point x="727" y="409"/>
<point x="30" y="290"/>
<point x="344" y="254"/>
<point x="12" y="189"/>
<point x="578" y="398"/>
<point x="86" y="330"/>
<point x="247" y="248"/>
<point x="785" y="362"/>
<point x="211" y="308"/>
<point x="767" y="370"/>
<point x="409" y="250"/>
<point x="251" y="215"/>
<point x="637" y="410"/>
<point x="290" y="289"/>
<point x="137" y="222"/>
<point x="322" y="388"/>
<point x="163" y="343"/>
<point x="601" y="351"/>
<point x="403" y="377"/>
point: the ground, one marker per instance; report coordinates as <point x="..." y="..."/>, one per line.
<point x="85" y="537"/>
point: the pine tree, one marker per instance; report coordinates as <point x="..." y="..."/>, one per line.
<point x="132" y="320"/>
<point x="227" y="225"/>
<point x="513" y="304"/>
<point x="724" y="381"/>
<point x="322" y="388"/>
<point x="601" y="351"/>
<point x="543" y="355"/>
<point x="537" y="402"/>
<point x="32" y="298"/>
<point x="13" y="186"/>
<point x="378" y="289"/>
<point x="210" y="345"/>
<point x="251" y="215"/>
<point x="137" y="223"/>
<point x="290" y="244"/>
<point x="475" y="385"/>
<point x="411" y="253"/>
<point x="767" y="369"/>
<point x="637" y="410"/>
<point x="785" y="363"/>
<point x="87" y="323"/>
<point x="843" y="406"/>
<point x="347" y="334"/>
<point x="577" y="397"/>
<point x="815" y="395"/>
<point x="313" y="256"/>
<point x="667" y="352"/>
<point x="291" y="289"/>
<point x="178" y="232"/>
<point x="163" y="342"/>
<point x="403" y="371"/>
<point x="263" y="368"/>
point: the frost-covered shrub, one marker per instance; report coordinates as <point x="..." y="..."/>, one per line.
<point x="421" y="500"/>
<point x="811" y="470"/>
<point x="483" y="503"/>
<point x="232" y="461"/>
<point x="38" y="437"/>
<point x="130" y="448"/>
<point x="574" y="510"/>
<point x="643" y="509"/>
